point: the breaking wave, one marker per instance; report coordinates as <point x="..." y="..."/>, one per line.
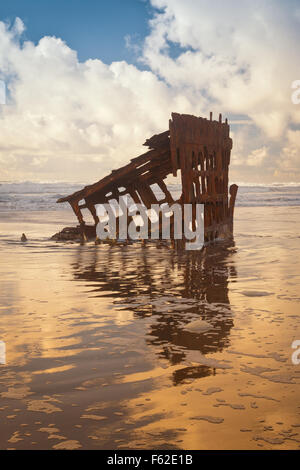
<point x="32" y="196"/>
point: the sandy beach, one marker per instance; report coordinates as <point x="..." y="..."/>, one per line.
<point x="143" y="347"/>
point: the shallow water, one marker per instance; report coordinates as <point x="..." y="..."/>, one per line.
<point x="143" y="347"/>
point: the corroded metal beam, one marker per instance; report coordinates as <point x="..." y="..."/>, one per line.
<point x="196" y="147"/>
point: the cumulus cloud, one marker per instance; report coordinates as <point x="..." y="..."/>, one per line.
<point x="67" y="120"/>
<point x="240" y="58"/>
<point x="73" y="120"/>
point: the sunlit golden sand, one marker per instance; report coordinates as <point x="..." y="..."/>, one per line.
<point x="140" y="347"/>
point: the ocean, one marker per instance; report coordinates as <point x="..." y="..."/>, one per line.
<point x="29" y="196"/>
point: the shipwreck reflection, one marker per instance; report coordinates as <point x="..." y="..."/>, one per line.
<point x="174" y="289"/>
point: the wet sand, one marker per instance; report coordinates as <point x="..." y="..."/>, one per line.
<point x="143" y="347"/>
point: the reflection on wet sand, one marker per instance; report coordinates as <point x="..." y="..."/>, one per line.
<point x="144" y="347"/>
<point x="174" y="289"/>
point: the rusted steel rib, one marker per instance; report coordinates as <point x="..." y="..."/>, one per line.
<point x="196" y="147"/>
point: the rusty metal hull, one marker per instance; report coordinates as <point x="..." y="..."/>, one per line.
<point x="196" y="147"/>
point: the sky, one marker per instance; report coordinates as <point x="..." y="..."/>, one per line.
<point x="88" y="81"/>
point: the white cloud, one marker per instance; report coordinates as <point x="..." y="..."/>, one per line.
<point x="68" y="117"/>
<point x="243" y="58"/>
<point x="76" y="120"/>
<point x="289" y="162"/>
<point x="243" y="54"/>
<point x="257" y="157"/>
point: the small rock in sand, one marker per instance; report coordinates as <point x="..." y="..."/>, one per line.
<point x="198" y="326"/>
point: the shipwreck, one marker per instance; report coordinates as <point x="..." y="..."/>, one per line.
<point x="195" y="149"/>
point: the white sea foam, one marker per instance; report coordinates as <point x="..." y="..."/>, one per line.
<point x="32" y="196"/>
